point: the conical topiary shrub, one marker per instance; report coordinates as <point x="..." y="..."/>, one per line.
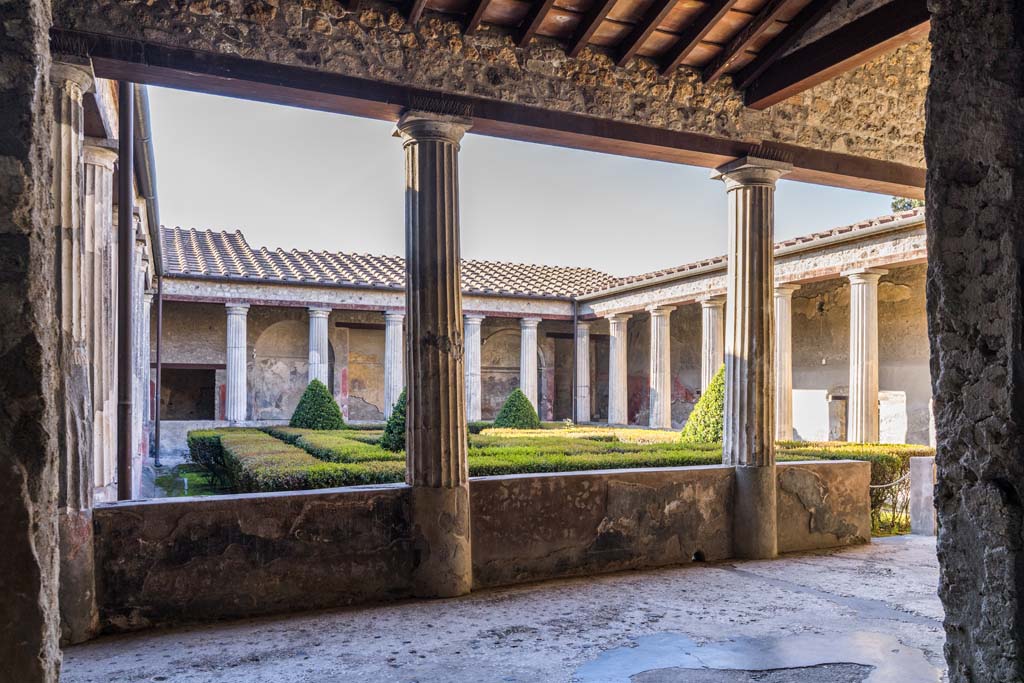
<point x="394" y="431"/>
<point x="517" y="413"/>
<point x="317" y="409"/>
<point x="706" y="420"/>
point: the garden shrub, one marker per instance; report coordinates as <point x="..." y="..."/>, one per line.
<point x="706" y="421"/>
<point x="517" y="413"/>
<point x="478" y="426"/>
<point x="394" y="431"/>
<point x="317" y="409"/>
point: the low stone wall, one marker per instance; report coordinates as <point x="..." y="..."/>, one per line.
<point x="177" y="560"/>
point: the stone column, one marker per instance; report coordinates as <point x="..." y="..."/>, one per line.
<point x="319" y="346"/>
<point x="436" y="466"/>
<point x="473" y="341"/>
<point x="661" y="367"/>
<point x="748" y="438"/>
<point x="618" y="391"/>
<point x="784" y="361"/>
<point x="862" y="416"/>
<point x="394" y="363"/>
<point x="528" y="359"/>
<point x="582" y="371"/>
<point x="237" y="385"/>
<point x="99" y="235"/>
<point x="712" y="338"/>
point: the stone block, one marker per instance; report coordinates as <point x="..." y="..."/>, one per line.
<point x="923" y="519"/>
<point x="823" y="504"/>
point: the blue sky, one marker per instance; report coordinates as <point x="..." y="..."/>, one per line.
<point x="294" y="178"/>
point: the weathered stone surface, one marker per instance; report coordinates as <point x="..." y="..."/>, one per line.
<point x="823" y="504"/>
<point x="975" y="280"/>
<point x="923" y="520"/>
<point x="177" y="560"/>
<point x="874" y="111"/>
<point x="28" y="350"/>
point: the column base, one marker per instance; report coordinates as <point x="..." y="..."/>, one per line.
<point x="755" y="522"/>
<point x="443" y="562"/>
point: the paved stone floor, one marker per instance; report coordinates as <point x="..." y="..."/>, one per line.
<point x="867" y="614"/>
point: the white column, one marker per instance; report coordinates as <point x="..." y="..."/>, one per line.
<point x="237" y="385"/>
<point x="394" y="359"/>
<point x="582" y="371"/>
<point x="862" y="416"/>
<point x="618" y="404"/>
<point x="749" y="429"/>
<point x="528" y="358"/>
<point x="712" y="338"/>
<point x="471" y="326"/>
<point x="784" y="361"/>
<point x="319" y="353"/>
<point x="661" y="367"/>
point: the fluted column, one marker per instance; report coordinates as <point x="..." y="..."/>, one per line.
<point x="528" y="358"/>
<point x="236" y="363"/>
<point x="394" y="359"/>
<point x="618" y="390"/>
<point x="436" y="466"/>
<point x="473" y="341"/>
<point x="661" y="367"/>
<point x="862" y="418"/>
<point x="748" y="438"/>
<point x="582" y="371"/>
<point x="712" y="338"/>
<point x="784" y="361"/>
<point x="319" y="354"/>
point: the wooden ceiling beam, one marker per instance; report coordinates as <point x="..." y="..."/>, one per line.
<point x="857" y="42"/>
<point x="742" y="41"/>
<point x="477" y="17"/>
<point x="534" y="18"/>
<point x="416" y="9"/>
<point x="694" y="33"/>
<point x="798" y="26"/>
<point x="656" y="14"/>
<point x="588" y="26"/>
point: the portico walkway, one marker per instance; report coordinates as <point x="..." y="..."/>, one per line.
<point x="826" y="616"/>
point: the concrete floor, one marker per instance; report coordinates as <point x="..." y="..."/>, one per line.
<point x="863" y="614"/>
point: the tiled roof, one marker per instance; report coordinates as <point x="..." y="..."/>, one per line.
<point x="217" y="255"/>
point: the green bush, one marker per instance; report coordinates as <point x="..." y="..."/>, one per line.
<point x="479" y="426"/>
<point x="708" y="416"/>
<point x="317" y="409"/>
<point x="394" y="430"/>
<point x="204" y="449"/>
<point x="517" y="413"/>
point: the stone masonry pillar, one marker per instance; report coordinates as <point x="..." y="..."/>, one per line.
<point x="436" y="466"/>
<point x="237" y="384"/>
<point x="784" y="361"/>
<point x="473" y="341"/>
<point x="394" y="364"/>
<point x="528" y="359"/>
<point x="748" y="435"/>
<point x="618" y="399"/>
<point x="661" y="368"/>
<point x="862" y="415"/>
<point x="712" y="338"/>
<point x="319" y="354"/>
<point x="582" y="372"/>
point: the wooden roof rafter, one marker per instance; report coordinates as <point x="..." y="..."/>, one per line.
<point x="742" y="41"/>
<point x="532" y="22"/>
<point x="695" y="32"/>
<point x="597" y="13"/>
<point x="475" y="19"/>
<point x="415" y="12"/>
<point x="656" y="14"/>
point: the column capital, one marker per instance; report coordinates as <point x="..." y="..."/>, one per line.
<point x="750" y="170"/>
<point x="527" y="323"/>
<point x="319" y="312"/>
<point x="716" y="301"/>
<point x="786" y="289"/>
<point x="147" y="297"/>
<point x="394" y="316"/>
<point x="584" y="324"/>
<point x="619" y="317"/>
<point x="419" y="126"/>
<point x="77" y="76"/>
<point x="858" y="275"/>
<point x="96" y="155"/>
<point x="658" y="310"/>
<point x="237" y="309"/>
<point x="473" y="318"/>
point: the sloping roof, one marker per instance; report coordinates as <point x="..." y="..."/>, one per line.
<point x="219" y="255"/>
<point x="209" y="254"/>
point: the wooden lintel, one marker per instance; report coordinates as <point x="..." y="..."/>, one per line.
<point x="222" y="74"/>
<point x="742" y="41"/>
<point x="694" y="33"/>
<point x="656" y="14"/>
<point x="876" y="33"/>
